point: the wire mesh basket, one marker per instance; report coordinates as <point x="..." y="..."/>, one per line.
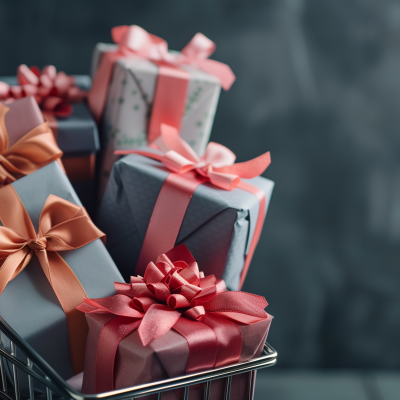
<point x="38" y="372"/>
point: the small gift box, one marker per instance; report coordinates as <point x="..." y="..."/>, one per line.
<point x="26" y="141"/>
<point x="52" y="257"/>
<point x="171" y="322"/>
<point x="138" y="84"/>
<point x="156" y="199"/>
<point x="60" y="98"/>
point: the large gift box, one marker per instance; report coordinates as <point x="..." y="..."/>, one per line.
<point x="70" y="119"/>
<point x="52" y="256"/>
<point x="138" y="84"/>
<point x="173" y="321"/>
<point x="157" y="199"/>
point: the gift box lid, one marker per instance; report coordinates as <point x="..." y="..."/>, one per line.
<point x="78" y="133"/>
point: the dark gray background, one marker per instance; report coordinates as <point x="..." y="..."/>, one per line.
<point x="318" y="84"/>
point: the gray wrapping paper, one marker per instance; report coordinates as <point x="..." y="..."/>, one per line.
<point x="28" y="303"/>
<point x="217" y="228"/>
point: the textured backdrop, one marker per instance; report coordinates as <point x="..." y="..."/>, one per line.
<point x="318" y="85"/>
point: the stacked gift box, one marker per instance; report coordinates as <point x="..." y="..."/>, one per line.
<point x="161" y="297"/>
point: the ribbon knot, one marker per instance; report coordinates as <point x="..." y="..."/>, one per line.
<point x="62" y="226"/>
<point x="37" y="244"/>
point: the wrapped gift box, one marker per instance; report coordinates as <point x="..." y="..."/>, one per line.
<point x="124" y="348"/>
<point x="130" y="95"/>
<point x="78" y="138"/>
<point x="218" y="226"/>
<point x="167" y="357"/>
<point x="28" y="303"/>
<point x="147" y="86"/>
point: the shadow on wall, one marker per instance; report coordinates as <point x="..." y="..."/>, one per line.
<point x="317" y="85"/>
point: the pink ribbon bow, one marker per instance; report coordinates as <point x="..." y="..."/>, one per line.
<point x="217" y="165"/>
<point x="134" y="40"/>
<point x="53" y="91"/>
<point x="173" y="294"/>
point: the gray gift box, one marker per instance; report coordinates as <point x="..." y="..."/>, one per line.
<point x="28" y="303"/>
<point x="217" y="228"/>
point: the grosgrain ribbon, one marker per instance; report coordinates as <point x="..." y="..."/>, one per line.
<point x="33" y="151"/>
<point x="172" y="82"/>
<point x="62" y="226"/>
<point x="52" y="90"/>
<point x="217" y="167"/>
<point x="173" y="294"/>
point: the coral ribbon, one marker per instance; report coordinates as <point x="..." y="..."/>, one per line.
<point x="173" y="294"/>
<point x="52" y="90"/>
<point x="62" y="226"/>
<point x="172" y="82"/>
<point x="33" y="151"/>
<point x="217" y="167"/>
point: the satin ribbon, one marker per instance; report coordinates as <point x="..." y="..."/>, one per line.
<point x="217" y="167"/>
<point x="33" y="151"/>
<point x="172" y="82"/>
<point x="62" y="226"/>
<point x="173" y="294"/>
<point x="53" y="91"/>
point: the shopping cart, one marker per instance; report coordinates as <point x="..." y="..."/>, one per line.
<point x="39" y="372"/>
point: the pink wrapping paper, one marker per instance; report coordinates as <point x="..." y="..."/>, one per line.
<point x="23" y="116"/>
<point x="166" y="357"/>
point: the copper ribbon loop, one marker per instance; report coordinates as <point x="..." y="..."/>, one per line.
<point x="52" y="90"/>
<point x="33" y="151"/>
<point x="173" y="294"/>
<point x="62" y="226"/>
<point x="172" y="82"/>
<point x="217" y="167"/>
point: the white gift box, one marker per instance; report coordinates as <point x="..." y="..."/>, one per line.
<point x="129" y="100"/>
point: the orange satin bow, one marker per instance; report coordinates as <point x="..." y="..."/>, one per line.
<point x="62" y="226"/>
<point x="33" y="151"/>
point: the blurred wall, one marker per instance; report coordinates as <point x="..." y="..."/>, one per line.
<point x="318" y="85"/>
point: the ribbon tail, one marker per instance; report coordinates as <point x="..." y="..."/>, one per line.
<point x="110" y="336"/>
<point x="219" y="70"/>
<point x="248" y="169"/>
<point x="169" y="211"/>
<point x="13" y="265"/>
<point x="70" y="294"/>
<point x="259" y="225"/>
<point x="98" y="93"/>
<point x="202" y="342"/>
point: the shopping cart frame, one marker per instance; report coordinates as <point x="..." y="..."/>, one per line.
<point x="55" y="387"/>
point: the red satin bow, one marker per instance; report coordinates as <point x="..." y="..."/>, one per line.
<point x="217" y="165"/>
<point x="173" y="294"/>
<point x="53" y="91"/>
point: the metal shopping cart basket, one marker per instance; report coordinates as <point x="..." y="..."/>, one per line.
<point x="38" y="371"/>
